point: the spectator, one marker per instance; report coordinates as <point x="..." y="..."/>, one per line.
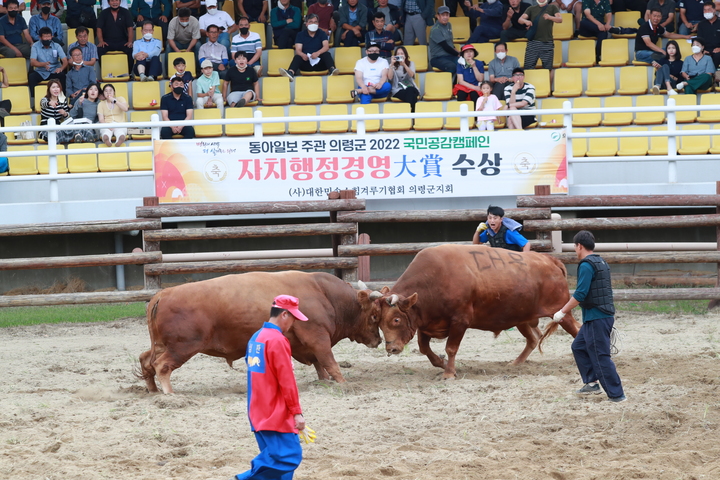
<point x="667" y="69"/>
<point x="487" y="103"/>
<point x="224" y="23"/>
<point x="327" y="16"/>
<point x="629" y="5"/>
<point x="146" y="53"/>
<point x="597" y="15"/>
<point x="383" y="38"/>
<point x="417" y="14"/>
<point x="89" y="50"/>
<point x="519" y="96"/>
<point x="45" y="19"/>
<point x="241" y="86"/>
<point x="512" y="28"/>
<point x="698" y="69"/>
<point x="492" y="16"/>
<point x="3" y="9"/>
<point x="208" y="89"/>
<point x="667" y="7"/>
<point x="79" y="76"/>
<point x="183" y="33"/>
<point x="13" y="29"/>
<point x="80" y="13"/>
<point x="105" y="4"/>
<point x="158" y="12"/>
<point x="253" y="10"/>
<point x="691" y="13"/>
<point x="709" y="31"/>
<point x="53" y="105"/>
<point x="176" y="106"/>
<point x="57" y="8"/>
<point x="500" y="69"/>
<point x="180" y="72"/>
<point x="5" y="104"/>
<point x="648" y="34"/>
<point x="115" y="31"/>
<point x="214" y="51"/>
<point x="249" y="43"/>
<point x="86" y="107"/>
<point x="192" y="5"/>
<point x="286" y="21"/>
<point x="353" y="23"/>
<point x="470" y="73"/>
<point x="371" y="75"/>
<point x="402" y="73"/>
<point x="48" y="60"/>
<point x="112" y="110"/>
<point x="442" y="53"/>
<point x="392" y="18"/>
<point x="541" y="45"/>
<point x="312" y="51"/>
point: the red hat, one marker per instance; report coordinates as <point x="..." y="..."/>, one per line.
<point x="291" y="304"/>
<point x="469" y="46"/>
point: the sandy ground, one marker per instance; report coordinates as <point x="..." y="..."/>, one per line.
<point x="72" y="409"/>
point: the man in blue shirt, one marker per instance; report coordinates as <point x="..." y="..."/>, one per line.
<point x="89" y="50"/>
<point x="44" y="19"/>
<point x="13" y="29"/>
<point x="591" y="347"/>
<point x="503" y="232"/>
<point x="146" y="53"/>
<point x="312" y="51"/>
<point x="176" y="106"/>
<point x="48" y="60"/>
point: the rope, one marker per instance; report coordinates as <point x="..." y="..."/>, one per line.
<point x="616" y="342"/>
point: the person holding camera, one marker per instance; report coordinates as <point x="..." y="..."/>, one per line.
<point x="402" y="75"/>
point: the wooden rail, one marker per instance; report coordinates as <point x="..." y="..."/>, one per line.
<point x="648" y="257"/>
<point x="104" y="226"/>
<point x="264" y="265"/>
<point x="204" y="209"/>
<point x="622" y="223"/>
<point x="81" y="261"/>
<point x="379" y="249"/>
<point x="439" y="215"/>
<point x="303" y="229"/>
<point x="558" y="201"/>
<point x="75" y="298"/>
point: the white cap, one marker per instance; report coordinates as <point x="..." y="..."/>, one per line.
<point x="210" y="3"/>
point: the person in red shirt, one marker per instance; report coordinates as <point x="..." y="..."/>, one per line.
<point x="272" y="395"/>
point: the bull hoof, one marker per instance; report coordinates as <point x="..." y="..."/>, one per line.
<point x="449" y="376"/>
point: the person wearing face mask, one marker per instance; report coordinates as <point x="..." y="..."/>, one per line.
<point x="183" y="33"/>
<point x="371" y="74"/>
<point x="56" y="7"/>
<point x="492" y="14"/>
<point x="253" y="10"/>
<point x="45" y="19"/>
<point x="541" y="46"/>
<point x="709" y="30"/>
<point x="157" y="11"/>
<point x="500" y="70"/>
<point x="115" y="31"/>
<point x="13" y="29"/>
<point x="698" y="69"/>
<point x="249" y="43"/>
<point x="327" y="16"/>
<point x="176" y="106"/>
<point x="312" y="51"/>
<point x="353" y="23"/>
<point x="79" y="77"/>
<point x="646" y="49"/>
<point x="48" y="60"/>
<point x="286" y="21"/>
<point x="146" y="53"/>
<point x="512" y="28"/>
<point x="224" y="22"/>
<point x="691" y="13"/>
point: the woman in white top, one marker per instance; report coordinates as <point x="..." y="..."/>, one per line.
<point x="402" y="72"/>
<point x="112" y="110"/>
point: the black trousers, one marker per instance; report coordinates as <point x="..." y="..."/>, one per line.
<point x="34" y="79"/>
<point x="408" y="95"/>
<point x="117" y="47"/>
<point x="299" y="65"/>
<point x="187" y="132"/>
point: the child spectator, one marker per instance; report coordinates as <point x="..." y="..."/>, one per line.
<point x="187" y="78"/>
<point x="242" y="83"/>
<point x="487" y="103"/>
<point x="208" y="89"/>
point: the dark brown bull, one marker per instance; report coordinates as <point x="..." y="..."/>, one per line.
<point x="448" y="289"/>
<point x="217" y="317"/>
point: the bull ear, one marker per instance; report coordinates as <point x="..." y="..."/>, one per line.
<point x="363" y="297"/>
<point x="385" y="290"/>
<point x="406" y="303"/>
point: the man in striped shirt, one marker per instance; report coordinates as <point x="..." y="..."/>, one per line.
<point x="519" y="96"/>
<point x="249" y="43"/>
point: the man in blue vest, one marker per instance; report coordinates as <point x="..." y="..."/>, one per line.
<point x="591" y="347"/>
<point x="502" y="232"/>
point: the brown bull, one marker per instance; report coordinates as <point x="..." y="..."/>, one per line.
<point x="448" y="289"/>
<point x="217" y="317"/>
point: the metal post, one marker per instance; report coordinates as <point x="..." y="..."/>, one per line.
<point x="360" y="113"/>
<point x="464" y="121"/>
<point x="52" y="162"/>
<point x="155" y="128"/>
<point x="258" y="126"/>
<point x="119" y="269"/>
<point x="567" y="123"/>
<point x="672" y="141"/>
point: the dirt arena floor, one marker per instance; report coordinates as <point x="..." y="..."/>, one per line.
<point x="72" y="409"/>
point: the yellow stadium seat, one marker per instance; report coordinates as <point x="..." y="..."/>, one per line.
<point x="568" y="82"/>
<point x="600" y="82"/>
<point x="238" y="130"/>
<point x="517" y="50"/>
<point x="698" y="145"/>
<point x="146" y="95"/>
<point x="614" y="52"/>
<point x="71" y="38"/>
<point x="84" y="162"/>
<point x="453" y="123"/>
<point x="435" y="123"/>
<point x="259" y="28"/>
<point x="302" y="128"/>
<point x="142" y="119"/>
<point x="339" y="87"/>
<point x="460" y="29"/>
<point x="602" y="147"/>
<point x="308" y="90"/>
<point x="138" y="161"/>
<point x="20" y="96"/>
<point x="157" y="33"/>
<point x="617" y="119"/>
<point x="587" y="119"/>
<point x="707" y="116"/>
<point x="564" y="30"/>
<point x="649" y="118"/>
<point x="581" y="53"/>
<point x="715" y="147"/>
<point x="15" y="121"/>
<point x="346" y="57"/>
<point x="277" y="59"/>
<point x="275" y="90"/>
<point x="551" y="121"/>
<point x="272" y="112"/>
<point x="626" y="20"/>
<point x="333" y="126"/>
<point x="121" y="90"/>
<point x="438" y="86"/>
<point x="43" y="162"/>
<point x="204" y="131"/>
<point x="396" y="125"/>
<point x="579" y="145"/>
<point x="114" y="68"/>
<point x="658" y="145"/>
<point x="685" y="100"/>
<point x="419" y="55"/>
<point x="229" y="8"/>
<point x="22" y="165"/>
<point x="189" y="58"/>
<point x="486" y="52"/>
<point x="633" y="80"/>
<point x="370" y="109"/>
<point x="501" y="121"/>
<point x="15" y="70"/>
<point x="633" y="146"/>
<point x="38" y="94"/>
<point x="112" y="161"/>
<point x="557" y="54"/>
<point x="540" y="79"/>
<point x="685" y="48"/>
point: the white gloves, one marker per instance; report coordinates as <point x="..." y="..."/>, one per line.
<point x="558" y="317"/>
<point x="482" y="227"/>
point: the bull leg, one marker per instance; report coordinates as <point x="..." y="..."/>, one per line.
<point x="424" y="344"/>
<point x="570" y="325"/>
<point x="457" y="332"/>
<point x="164" y="366"/>
<point x="532" y="335"/>
<point x="321" y="372"/>
<point x="148" y="372"/>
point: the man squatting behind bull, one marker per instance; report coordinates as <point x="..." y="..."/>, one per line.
<point x="503" y="232"/>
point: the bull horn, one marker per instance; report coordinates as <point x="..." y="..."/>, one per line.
<point x="362" y="286"/>
<point x="392" y="301"/>
<point x="375" y="294"/>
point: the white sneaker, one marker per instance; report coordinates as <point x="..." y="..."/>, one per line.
<point x="656" y="90"/>
<point x="680" y="86"/>
<point x="672" y="92"/>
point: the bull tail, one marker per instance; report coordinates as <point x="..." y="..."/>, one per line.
<point x="569" y="324"/>
<point x="145" y="370"/>
<point x="550" y="328"/>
